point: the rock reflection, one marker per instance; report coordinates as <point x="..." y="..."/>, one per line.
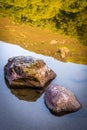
<point x="23" y="93"/>
<point x="27" y="94"/>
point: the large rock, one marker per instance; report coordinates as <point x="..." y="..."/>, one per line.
<point x="27" y="71"/>
<point x="60" y="100"/>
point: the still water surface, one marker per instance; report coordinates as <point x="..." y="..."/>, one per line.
<point x="18" y="112"/>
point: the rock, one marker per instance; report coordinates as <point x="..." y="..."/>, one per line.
<point x="53" y="42"/>
<point x="64" y="51"/>
<point x="60" y="100"/>
<point x="27" y="71"/>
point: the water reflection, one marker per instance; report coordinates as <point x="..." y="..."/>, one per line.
<point x="24" y="93"/>
<point x="27" y="94"/>
<point x="34" y="115"/>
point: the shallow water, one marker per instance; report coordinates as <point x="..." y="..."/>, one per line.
<point x="18" y="113"/>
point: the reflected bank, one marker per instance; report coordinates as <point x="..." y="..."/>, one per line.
<point x="31" y="113"/>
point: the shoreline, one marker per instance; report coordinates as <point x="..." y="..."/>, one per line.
<point x="41" y="41"/>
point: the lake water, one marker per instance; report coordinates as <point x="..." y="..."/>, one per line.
<point x="19" y="113"/>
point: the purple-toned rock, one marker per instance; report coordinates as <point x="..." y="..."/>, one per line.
<point x="27" y="71"/>
<point x="60" y="100"/>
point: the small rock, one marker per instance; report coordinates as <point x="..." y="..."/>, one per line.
<point x="64" y="51"/>
<point x="27" y="71"/>
<point x="60" y="100"/>
<point x="53" y="42"/>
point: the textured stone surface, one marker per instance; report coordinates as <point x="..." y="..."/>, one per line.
<point x="60" y="100"/>
<point x="27" y="71"/>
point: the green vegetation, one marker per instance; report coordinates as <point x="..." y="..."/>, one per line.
<point x="69" y="16"/>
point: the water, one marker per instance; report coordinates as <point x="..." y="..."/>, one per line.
<point x="19" y="113"/>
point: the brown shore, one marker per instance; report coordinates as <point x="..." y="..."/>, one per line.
<point x="42" y="41"/>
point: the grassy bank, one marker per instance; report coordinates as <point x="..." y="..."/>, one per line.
<point x="40" y="41"/>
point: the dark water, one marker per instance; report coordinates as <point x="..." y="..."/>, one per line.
<point x="30" y="113"/>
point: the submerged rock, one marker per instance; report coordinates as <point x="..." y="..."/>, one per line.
<point x="60" y="100"/>
<point x="27" y="71"/>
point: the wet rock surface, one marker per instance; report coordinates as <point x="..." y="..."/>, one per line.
<point x="27" y="71"/>
<point x="60" y="100"/>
